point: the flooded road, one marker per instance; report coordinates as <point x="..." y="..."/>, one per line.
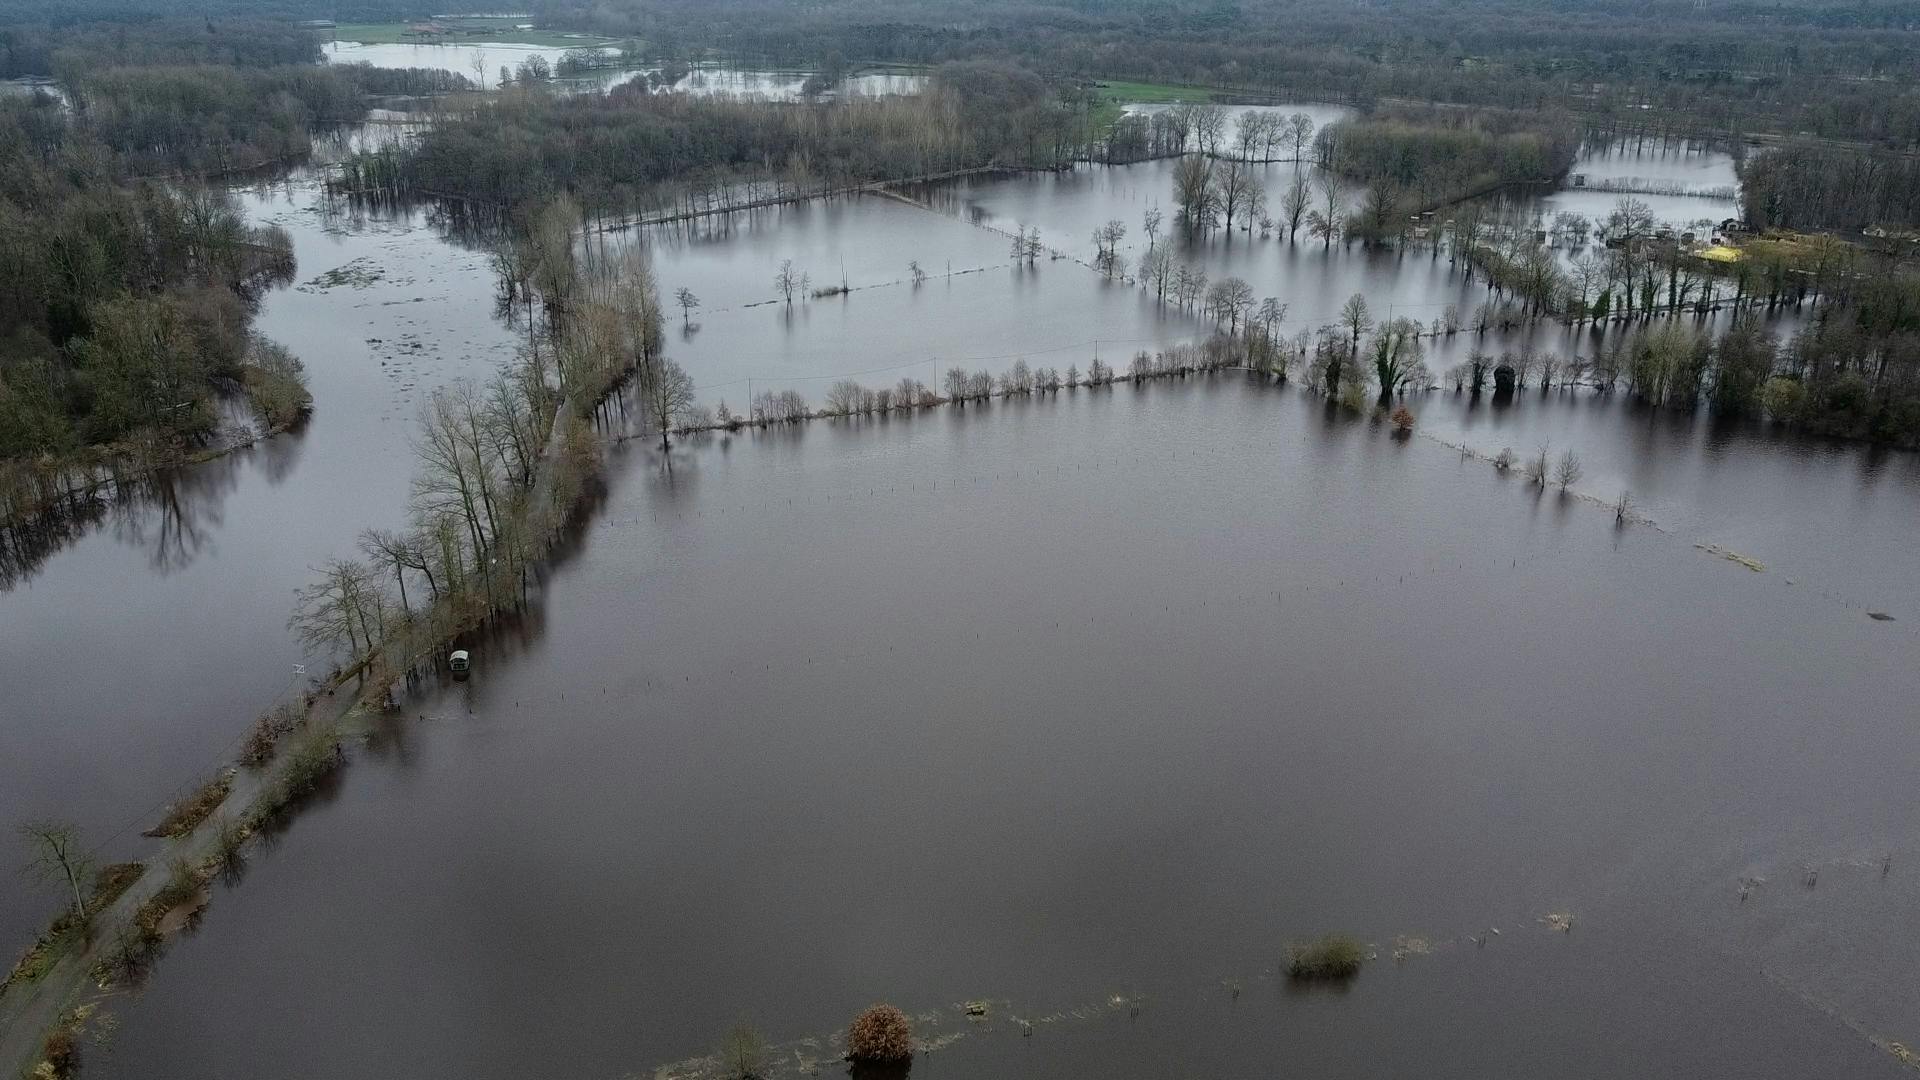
<point x="1109" y="695"/>
<point x="137" y="655"/>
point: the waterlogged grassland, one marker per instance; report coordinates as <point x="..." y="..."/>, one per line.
<point x="1112" y="98"/>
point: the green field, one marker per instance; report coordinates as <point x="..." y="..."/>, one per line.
<point x="473" y="31"/>
<point x="1140" y="93"/>
<point x="1111" y="97"/>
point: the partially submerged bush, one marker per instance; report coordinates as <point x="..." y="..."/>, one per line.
<point x="316" y="754"/>
<point x="1537" y="469"/>
<point x="1402" y="420"/>
<point x="60" y="1050"/>
<point x="882" y="1033"/>
<point x="742" y="1054"/>
<point x="267" y="732"/>
<point x="1335" y="956"/>
<point x="277" y="384"/>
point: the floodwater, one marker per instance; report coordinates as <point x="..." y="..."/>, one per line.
<point x="136" y="656"/>
<point x="975" y="309"/>
<point x="857" y="738"/>
<point x="1090" y="704"/>
<point x="472" y="59"/>
<point x="789" y="85"/>
<point x="479" y="61"/>
<point x="1313" y="279"/>
<point x="1682" y="165"/>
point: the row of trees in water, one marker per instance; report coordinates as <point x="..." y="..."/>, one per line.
<point x="500" y="466"/>
<point x="1246" y="135"/>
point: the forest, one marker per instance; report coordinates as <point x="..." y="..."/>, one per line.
<point x="127" y="277"/>
<point x="1435" y="156"/>
<point x="1830" y="68"/>
<point x="1807" y="188"/>
<point x="631" y="149"/>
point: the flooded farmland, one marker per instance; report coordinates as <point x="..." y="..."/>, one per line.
<point x="1084" y="705"/>
<point x="1104" y="696"/>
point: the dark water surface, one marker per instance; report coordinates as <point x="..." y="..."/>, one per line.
<point x="1076" y="702"/>
<point x="1153" y="684"/>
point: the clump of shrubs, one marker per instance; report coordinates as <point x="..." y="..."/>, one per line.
<point x="742" y="1054"/>
<point x="1332" y="958"/>
<point x="267" y="732"/>
<point x="880" y="1034"/>
<point x="60" y="1051"/>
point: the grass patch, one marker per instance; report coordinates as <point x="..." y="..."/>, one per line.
<point x="470" y="31"/>
<point x="108" y="885"/>
<point x="1111" y="98"/>
<point x="1144" y="93"/>
<point x="1333" y="957"/>
<point x="186" y="815"/>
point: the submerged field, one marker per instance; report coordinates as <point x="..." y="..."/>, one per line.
<point x="1087" y="706"/>
<point x="1100" y="698"/>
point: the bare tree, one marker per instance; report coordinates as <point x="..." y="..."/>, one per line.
<point x="1106" y="240"/>
<point x="687" y="301"/>
<point x="1156" y="269"/>
<point x="58" y="859"/>
<point x="1209" y="125"/>
<point x="1248" y="127"/>
<point x="1230" y="298"/>
<point x="1568" y="471"/>
<point x="1294" y="204"/>
<point x="1327" y="222"/>
<point x="1357" y="319"/>
<point x="667" y="394"/>
<point x="1236" y="186"/>
<point x="1150" y="224"/>
<point x="957" y="384"/>
<point x="1300" y="130"/>
<point x="1537" y="468"/>
<point x="788" y="281"/>
<point x="342" y="609"/>
<point x="1193" y="190"/>
<point x="396" y="553"/>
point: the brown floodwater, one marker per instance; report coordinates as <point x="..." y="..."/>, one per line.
<point x="1154" y="683"/>
<point x="1096" y="698"/>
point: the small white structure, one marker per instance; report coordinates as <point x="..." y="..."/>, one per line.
<point x="458" y="662"/>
